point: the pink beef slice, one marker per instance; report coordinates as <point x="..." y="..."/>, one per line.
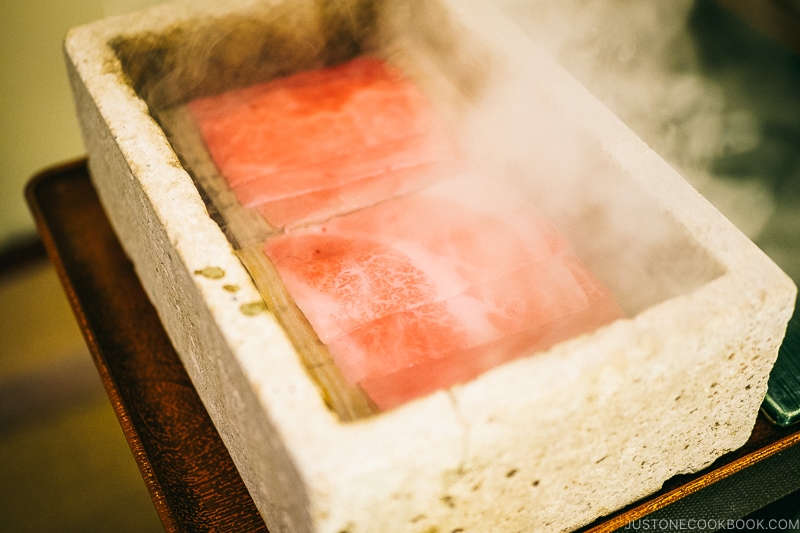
<point x="319" y="205"/>
<point x="324" y="142"/>
<point x="420" y="293"/>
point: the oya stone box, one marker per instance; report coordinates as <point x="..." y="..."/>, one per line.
<point x="547" y="442"/>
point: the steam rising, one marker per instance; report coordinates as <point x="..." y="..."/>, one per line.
<point x="641" y="60"/>
<point x="511" y="131"/>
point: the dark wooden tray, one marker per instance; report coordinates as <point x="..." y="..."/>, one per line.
<point x="189" y="473"/>
<point x="191" y="478"/>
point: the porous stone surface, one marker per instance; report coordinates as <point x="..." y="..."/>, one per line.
<point x="544" y="443"/>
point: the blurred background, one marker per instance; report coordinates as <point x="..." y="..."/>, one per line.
<point x="64" y="462"/>
<point x="717" y="97"/>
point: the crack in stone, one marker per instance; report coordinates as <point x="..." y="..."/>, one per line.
<point x="465" y="440"/>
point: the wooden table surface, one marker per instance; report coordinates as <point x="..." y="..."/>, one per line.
<point x="189" y="473"/>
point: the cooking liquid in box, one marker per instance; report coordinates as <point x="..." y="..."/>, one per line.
<point x="412" y="286"/>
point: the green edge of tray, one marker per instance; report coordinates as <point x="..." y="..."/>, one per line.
<point x="782" y="402"/>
